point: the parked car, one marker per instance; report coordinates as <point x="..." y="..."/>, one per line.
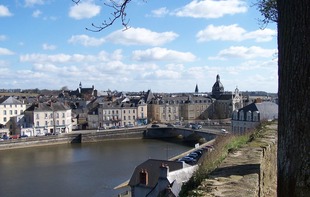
<point x="193" y="155"/>
<point x="224" y="131"/>
<point x="23" y="136"/>
<point x="155" y="125"/>
<point x="196" y="126"/>
<point x="40" y="134"/>
<point x="129" y="125"/>
<point x="5" y="137"/>
<point x="170" y="125"/>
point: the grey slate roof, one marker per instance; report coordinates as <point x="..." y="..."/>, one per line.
<point x="267" y="110"/>
<point x="6" y="100"/>
<point x="48" y="107"/>
<point x="152" y="166"/>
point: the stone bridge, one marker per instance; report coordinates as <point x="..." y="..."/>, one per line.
<point x="185" y="133"/>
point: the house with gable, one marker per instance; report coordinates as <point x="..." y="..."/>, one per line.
<point x="252" y="115"/>
<point x="155" y="177"/>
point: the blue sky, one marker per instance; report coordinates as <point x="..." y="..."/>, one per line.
<point x="170" y="46"/>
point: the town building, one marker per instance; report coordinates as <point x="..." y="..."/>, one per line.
<point x="9" y="108"/>
<point x="46" y="118"/>
<point x="159" y="177"/>
<point x="250" y="116"/>
<point x="123" y="112"/>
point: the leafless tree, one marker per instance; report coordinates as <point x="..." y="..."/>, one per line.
<point x="119" y="12"/>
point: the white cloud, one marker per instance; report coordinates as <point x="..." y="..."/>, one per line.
<point x="4" y="11"/>
<point x="86" y="40"/>
<point x="2" y="37"/>
<point x="141" y="36"/>
<point x="161" y="12"/>
<point x="102" y="56"/>
<point x="29" y="3"/>
<point x="167" y="74"/>
<point x="244" y="52"/>
<point x="36" y="13"/>
<point x="36" y="57"/>
<point x="233" y="33"/>
<point x="212" y="8"/>
<point x="162" y="54"/>
<point x="48" y="47"/>
<point x="84" y="10"/>
<point x="261" y="35"/>
<point x="4" y="51"/>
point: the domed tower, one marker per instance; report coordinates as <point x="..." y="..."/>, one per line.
<point x="217" y="88"/>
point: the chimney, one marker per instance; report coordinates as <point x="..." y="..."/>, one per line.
<point x="144" y="177"/>
<point x="164" y="170"/>
<point x="258" y="100"/>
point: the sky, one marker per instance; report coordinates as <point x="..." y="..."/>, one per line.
<point x="170" y="46"/>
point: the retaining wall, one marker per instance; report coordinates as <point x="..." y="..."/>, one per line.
<point x="249" y="172"/>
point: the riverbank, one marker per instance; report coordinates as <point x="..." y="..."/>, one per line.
<point x="74" y="137"/>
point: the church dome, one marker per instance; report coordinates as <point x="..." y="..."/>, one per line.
<point x="217" y="88"/>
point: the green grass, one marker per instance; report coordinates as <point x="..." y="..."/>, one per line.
<point x="223" y="146"/>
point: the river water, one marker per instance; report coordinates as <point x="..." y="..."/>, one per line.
<point x="86" y="170"/>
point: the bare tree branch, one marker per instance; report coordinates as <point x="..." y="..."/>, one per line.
<point x="118" y="13"/>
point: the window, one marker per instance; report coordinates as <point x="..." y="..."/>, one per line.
<point x="45" y="115"/>
<point x="141" y="108"/>
<point x="4" y="112"/>
<point x="128" y="117"/>
<point x="134" y="117"/>
<point x="124" y="117"/>
<point x="38" y="124"/>
<point x="37" y="116"/>
<point x="52" y="123"/>
<point x="11" y="112"/>
<point x="57" y="122"/>
<point x="15" y="112"/>
<point x="63" y="115"/>
<point x="249" y="116"/>
<point x="63" y="122"/>
<point x="46" y="123"/>
<point x="4" y="119"/>
<point x="57" y="115"/>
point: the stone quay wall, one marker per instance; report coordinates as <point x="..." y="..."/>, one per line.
<point x="251" y="171"/>
<point x="74" y="137"/>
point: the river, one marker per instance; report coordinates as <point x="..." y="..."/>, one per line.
<point x="79" y="170"/>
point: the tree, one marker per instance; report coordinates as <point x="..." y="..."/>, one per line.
<point x="294" y="94"/>
<point x="268" y="8"/>
<point x="119" y="12"/>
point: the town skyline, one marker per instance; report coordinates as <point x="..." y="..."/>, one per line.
<point x="169" y="47"/>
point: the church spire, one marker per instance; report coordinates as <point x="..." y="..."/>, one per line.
<point x="196" y="89"/>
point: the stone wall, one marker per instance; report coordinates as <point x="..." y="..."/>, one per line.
<point x="249" y="172"/>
